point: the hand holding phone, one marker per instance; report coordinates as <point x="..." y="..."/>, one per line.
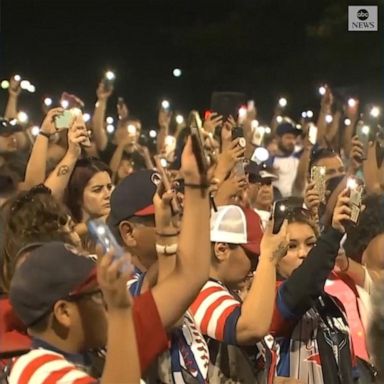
<point x="100" y="231"/>
<point x="202" y="159"/>
<point x="175" y="206"/>
<point x="109" y="80"/>
<point x="356" y="190"/>
<point x="363" y="132"/>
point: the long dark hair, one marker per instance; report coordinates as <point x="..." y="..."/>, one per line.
<point x="84" y="170"/>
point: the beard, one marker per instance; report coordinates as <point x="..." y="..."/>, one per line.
<point x="286" y="150"/>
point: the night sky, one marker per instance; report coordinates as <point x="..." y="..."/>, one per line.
<point x="265" y="48"/>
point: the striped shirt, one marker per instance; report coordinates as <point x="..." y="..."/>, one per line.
<point x="41" y="366"/>
<point x="216" y="311"/>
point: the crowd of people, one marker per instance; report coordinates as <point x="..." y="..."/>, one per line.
<point x="226" y="251"/>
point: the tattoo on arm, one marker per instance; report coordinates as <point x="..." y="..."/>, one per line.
<point x="63" y="170"/>
<point x="280" y="252"/>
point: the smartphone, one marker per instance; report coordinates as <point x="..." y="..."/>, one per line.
<point x="318" y="177"/>
<point x="279" y="214"/>
<point x="312" y="134"/>
<point x="258" y="135"/>
<point x="363" y="132"/>
<point x="198" y="143"/>
<point x="109" y="80"/>
<point x="356" y="189"/>
<point x="64" y="121"/>
<point x="100" y="231"/>
<point x="175" y="206"/>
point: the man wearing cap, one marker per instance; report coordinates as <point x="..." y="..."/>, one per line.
<point x="260" y="190"/>
<point x="133" y="223"/>
<point x="61" y="297"/>
<point x="238" y="244"/>
<point x="286" y="161"/>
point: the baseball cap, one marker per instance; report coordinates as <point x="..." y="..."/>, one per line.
<point x="259" y="172"/>
<point x="6" y="128"/>
<point x="133" y="196"/>
<point x="235" y="225"/>
<point x="287" y="127"/>
<point x="51" y="272"/>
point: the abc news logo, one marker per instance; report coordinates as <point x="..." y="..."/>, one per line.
<point x="362" y="18"/>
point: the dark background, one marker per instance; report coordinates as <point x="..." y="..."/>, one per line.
<point x="265" y="48"/>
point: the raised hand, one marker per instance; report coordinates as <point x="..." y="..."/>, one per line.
<point x="312" y="199"/>
<point x="275" y="246"/>
<point x="102" y="92"/>
<point x="342" y="211"/>
<point x="48" y="125"/>
<point x="14" y="87"/>
<point x="212" y="122"/>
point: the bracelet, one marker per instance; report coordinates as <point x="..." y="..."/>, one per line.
<point x="167" y="234"/>
<point x="345" y="269"/>
<point x="47" y="135"/>
<point x="196" y="186"/>
<point x="167" y="249"/>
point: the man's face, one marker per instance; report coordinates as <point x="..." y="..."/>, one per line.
<point x="334" y="166"/>
<point x="287" y="143"/>
<point x="261" y="195"/>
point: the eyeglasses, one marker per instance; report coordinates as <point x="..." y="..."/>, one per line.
<point x="28" y="196"/>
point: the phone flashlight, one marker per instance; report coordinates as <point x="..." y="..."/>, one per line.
<point x="25" y="84"/>
<point x="279" y="119"/>
<point x="375" y="112"/>
<point x="131" y="129"/>
<point x="260" y="155"/>
<point x="109" y="120"/>
<point x="329" y="119"/>
<point x="283" y="102"/>
<point x="31" y="88"/>
<point x="35" y="130"/>
<point x="17" y="77"/>
<point x="365" y="129"/>
<point x="5" y="84"/>
<point x="165" y="104"/>
<point x="48" y="101"/>
<point x="152" y="133"/>
<point x="242" y="113"/>
<point x="170" y="141"/>
<point x="254" y="124"/>
<point x="179" y="119"/>
<point x="22" y="117"/>
<point x="309" y="114"/>
<point x="347" y="122"/>
<point x="163" y="163"/>
<point x="268" y="130"/>
<point x="110" y="128"/>
<point x="322" y="90"/>
<point x="86" y="117"/>
<point x="351" y="102"/>
<point x="109" y="75"/>
<point x="64" y="103"/>
<point x="351" y="183"/>
<point x="304" y="115"/>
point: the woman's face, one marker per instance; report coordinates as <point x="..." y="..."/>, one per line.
<point x="96" y="196"/>
<point x="301" y="240"/>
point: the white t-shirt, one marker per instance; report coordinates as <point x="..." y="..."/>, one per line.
<point x="286" y="170"/>
<point x="264" y="217"/>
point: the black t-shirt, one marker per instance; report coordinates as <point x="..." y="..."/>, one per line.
<point x="137" y="160"/>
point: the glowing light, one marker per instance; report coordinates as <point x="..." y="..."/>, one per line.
<point x="31" y="89"/>
<point x="100" y="230"/>
<point x="347" y="122"/>
<point x="25" y="84"/>
<point x="309" y="114"/>
<point x="5" y="84"/>
<point x="322" y="90"/>
<point x="179" y="119"/>
<point x="165" y="104"/>
<point x="351" y="102"/>
<point x="48" y="101"/>
<point x="110" y="75"/>
<point x="242" y="112"/>
<point x="110" y="120"/>
<point x="375" y="112"/>
<point x="64" y="103"/>
<point x="170" y="140"/>
<point x="268" y="130"/>
<point x="35" y="130"/>
<point x="163" y="163"/>
<point x="177" y="72"/>
<point x="86" y="117"/>
<point x="254" y="124"/>
<point x="351" y="183"/>
<point x="131" y="129"/>
<point x="365" y="129"/>
<point x="152" y="133"/>
<point x="22" y="117"/>
<point x="17" y="77"/>
<point x="110" y="128"/>
<point x="279" y="119"/>
<point x="329" y="119"/>
<point x="283" y="102"/>
<point x="261" y="154"/>
<point x="304" y="115"/>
